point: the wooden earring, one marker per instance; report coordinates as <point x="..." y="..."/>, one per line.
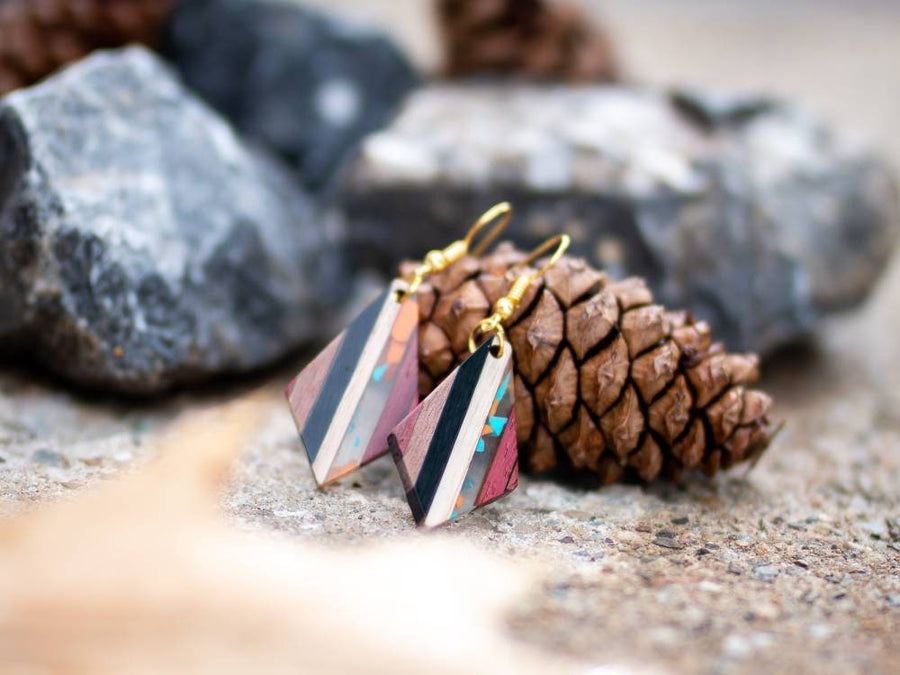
<point x="348" y="398"/>
<point x="457" y="451"/>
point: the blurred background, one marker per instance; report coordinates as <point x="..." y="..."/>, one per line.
<point x="836" y="57"/>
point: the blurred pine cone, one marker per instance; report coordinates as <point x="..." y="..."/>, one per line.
<point x="541" y="39"/>
<point x="606" y="381"/>
<point x="39" y="36"/>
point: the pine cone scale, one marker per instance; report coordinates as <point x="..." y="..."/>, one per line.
<point x="606" y="381"/>
<point x="39" y="36"/>
<point x="533" y="38"/>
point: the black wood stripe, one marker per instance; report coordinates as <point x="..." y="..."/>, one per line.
<point x="339" y="374"/>
<point x="447" y="429"/>
<point x="415" y="506"/>
<point x="411" y="496"/>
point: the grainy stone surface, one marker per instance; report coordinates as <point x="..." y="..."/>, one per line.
<point x="751" y="213"/>
<point x="142" y="244"/>
<point x="794" y="567"/>
<point x="302" y="83"/>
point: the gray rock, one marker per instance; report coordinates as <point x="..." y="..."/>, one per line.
<point x="304" y="84"/>
<point x="142" y="245"/>
<point x="748" y="212"/>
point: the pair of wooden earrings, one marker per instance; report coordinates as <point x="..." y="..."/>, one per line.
<point x="456" y="450"/>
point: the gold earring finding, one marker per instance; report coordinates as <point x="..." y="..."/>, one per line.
<point x="439" y="260"/>
<point x="505" y="307"/>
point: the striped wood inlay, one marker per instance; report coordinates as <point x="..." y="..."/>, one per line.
<point x="435" y="447"/>
<point x="361" y="385"/>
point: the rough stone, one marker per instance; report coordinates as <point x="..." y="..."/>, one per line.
<point x="751" y="213"/>
<point x="142" y="244"/>
<point x="302" y="83"/>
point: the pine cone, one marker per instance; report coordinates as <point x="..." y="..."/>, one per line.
<point x="39" y="36"/>
<point x="543" y="39"/>
<point x="606" y="381"/>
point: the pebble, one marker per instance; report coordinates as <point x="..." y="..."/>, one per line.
<point x="665" y="636"/>
<point x="123" y="456"/>
<point x="765" y="572"/>
<point x="893" y="525"/>
<point x="766" y="611"/>
<point x="667" y="541"/>
<point x="737" y="647"/>
<point x="577" y="514"/>
<point x="50" y="458"/>
<point x="710" y="587"/>
<point x="820" y="631"/>
<point x="877" y="529"/>
<point x="809" y="597"/>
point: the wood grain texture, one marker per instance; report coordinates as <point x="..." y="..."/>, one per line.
<point x="449" y="446"/>
<point x="414" y="433"/>
<point x="347" y="400"/>
<point x="334" y="389"/>
<point x="301" y="390"/>
<point x="504" y="470"/>
<point x="445" y="441"/>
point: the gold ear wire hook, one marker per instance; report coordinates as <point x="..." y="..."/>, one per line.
<point x="505" y="307"/>
<point x="503" y="211"/>
<point x="561" y="241"/>
<point x="439" y="260"/>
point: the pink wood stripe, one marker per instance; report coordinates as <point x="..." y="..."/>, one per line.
<point x="427" y="415"/>
<point x="506" y="462"/>
<point x="513" y="482"/>
<point x="304" y="389"/>
<point x="403" y="398"/>
<point x="401" y="435"/>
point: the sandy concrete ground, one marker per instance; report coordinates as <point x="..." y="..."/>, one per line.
<point x="793" y="567"/>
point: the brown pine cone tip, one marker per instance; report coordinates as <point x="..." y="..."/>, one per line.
<point x="542" y="39"/>
<point x="606" y="382"/>
<point x="37" y="37"/>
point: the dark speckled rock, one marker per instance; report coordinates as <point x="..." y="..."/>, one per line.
<point x="302" y="83"/>
<point x="142" y="244"/>
<point x="748" y="211"/>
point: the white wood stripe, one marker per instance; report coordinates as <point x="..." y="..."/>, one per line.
<point x="464" y="449"/>
<point x="368" y="359"/>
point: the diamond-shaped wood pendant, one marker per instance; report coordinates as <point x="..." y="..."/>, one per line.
<point x="346" y="401"/>
<point x="457" y="450"/>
